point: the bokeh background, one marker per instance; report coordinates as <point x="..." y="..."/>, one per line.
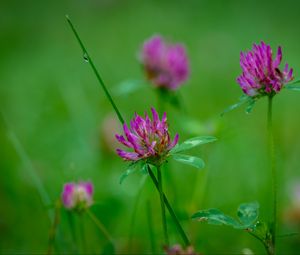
<point x="56" y="124"/>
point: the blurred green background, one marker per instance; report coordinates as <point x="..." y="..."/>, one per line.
<point x="55" y="124"/>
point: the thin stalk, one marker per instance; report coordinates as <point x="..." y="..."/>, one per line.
<point x="100" y="226"/>
<point x="53" y="229"/>
<point x="273" y="171"/>
<point x="269" y="251"/>
<point x="89" y="60"/>
<point x="170" y="209"/>
<point x="150" y="226"/>
<point x="162" y="204"/>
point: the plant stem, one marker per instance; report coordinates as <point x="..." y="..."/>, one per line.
<point x="100" y="226"/>
<point x="162" y="204"/>
<point x="150" y="226"/>
<point x="170" y="209"/>
<point x="273" y="171"/>
<point x="88" y="58"/>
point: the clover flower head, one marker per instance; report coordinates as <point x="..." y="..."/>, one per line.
<point x="149" y="139"/>
<point x="261" y="73"/>
<point x="166" y="65"/>
<point x="178" y="250"/>
<point x="77" y="196"/>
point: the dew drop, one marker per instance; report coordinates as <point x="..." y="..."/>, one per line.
<point x="85" y="57"/>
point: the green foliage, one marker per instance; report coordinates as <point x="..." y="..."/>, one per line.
<point x="133" y="168"/>
<point x="247" y="216"/>
<point x="191" y="143"/>
<point x="243" y="100"/>
<point x="215" y="217"/>
<point x="248" y="213"/>
<point x="189" y="160"/>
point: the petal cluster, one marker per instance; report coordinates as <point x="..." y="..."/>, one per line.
<point x="166" y="65"/>
<point x="148" y="139"/>
<point x="78" y="196"/>
<point x="261" y="73"/>
<point x="178" y="250"/>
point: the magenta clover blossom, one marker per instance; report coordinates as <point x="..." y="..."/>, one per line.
<point x="148" y="139"/>
<point x="166" y="65"/>
<point x="77" y="196"/>
<point x="261" y="73"/>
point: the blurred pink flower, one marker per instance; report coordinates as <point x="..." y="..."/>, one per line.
<point x="261" y="74"/>
<point x="149" y="139"/>
<point x="178" y="250"/>
<point x="166" y="65"/>
<point x="78" y="196"/>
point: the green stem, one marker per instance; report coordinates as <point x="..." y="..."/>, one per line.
<point x="267" y="247"/>
<point x="88" y="58"/>
<point x="162" y="204"/>
<point x="100" y="226"/>
<point x="150" y="226"/>
<point x="170" y="209"/>
<point x="273" y="170"/>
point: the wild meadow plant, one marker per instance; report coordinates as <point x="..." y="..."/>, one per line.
<point x="149" y="140"/>
<point x="261" y="77"/>
<point x="77" y="198"/>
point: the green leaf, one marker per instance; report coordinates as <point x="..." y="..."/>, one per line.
<point x="292" y="87"/>
<point x="248" y="213"/>
<point x="128" y="87"/>
<point x="193" y="142"/>
<point x="294" y="82"/>
<point x="189" y="160"/>
<point x="132" y="168"/>
<point x="243" y="99"/>
<point x="250" y="105"/>
<point x="215" y="217"/>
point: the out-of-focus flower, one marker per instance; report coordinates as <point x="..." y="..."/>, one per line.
<point x="149" y="139"/>
<point x="261" y="74"/>
<point x="178" y="250"/>
<point x="109" y="127"/>
<point x="77" y="196"/>
<point x="292" y="212"/>
<point x="166" y="65"/>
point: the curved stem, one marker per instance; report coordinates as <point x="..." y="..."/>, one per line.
<point x="162" y="204"/>
<point x="273" y="171"/>
<point x="170" y="209"/>
<point x="89" y="60"/>
<point x="100" y="226"/>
